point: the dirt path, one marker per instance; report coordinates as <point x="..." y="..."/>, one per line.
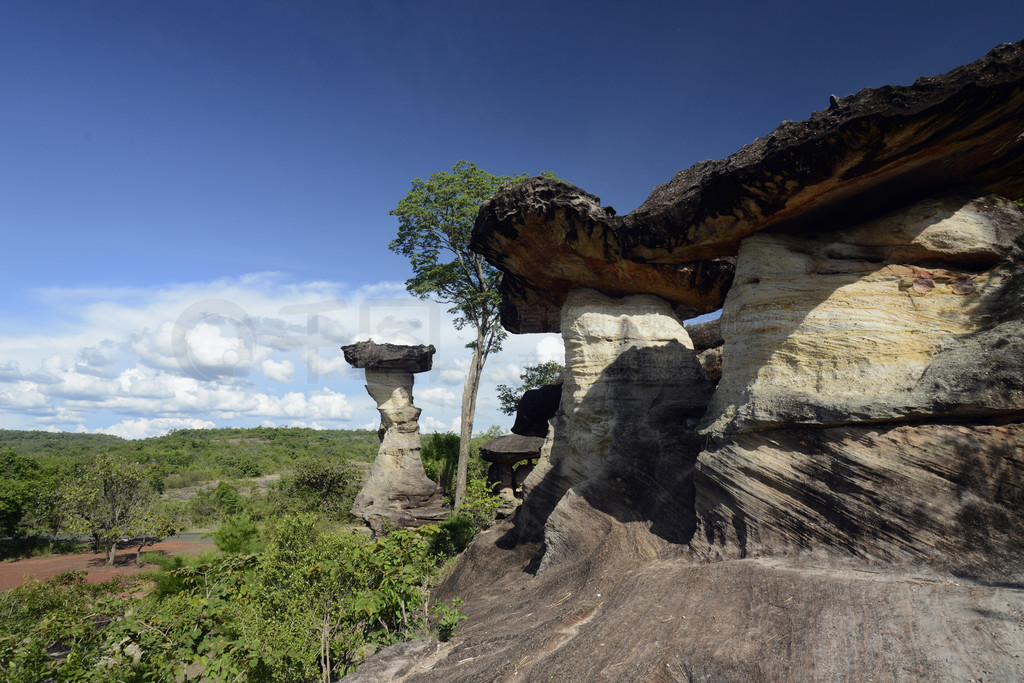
<point x="17" y="572"/>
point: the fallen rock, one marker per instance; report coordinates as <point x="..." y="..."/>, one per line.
<point x="706" y="335"/>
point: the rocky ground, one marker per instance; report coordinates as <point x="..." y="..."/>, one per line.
<point x="673" y="619"/>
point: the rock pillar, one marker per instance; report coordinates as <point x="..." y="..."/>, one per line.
<point x="397" y="490"/>
<point x="623" y="442"/>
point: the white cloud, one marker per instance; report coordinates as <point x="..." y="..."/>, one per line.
<point x="23" y="396"/>
<point x="435" y="396"/>
<point x="258" y="349"/>
<point x="431" y="425"/>
<point x="141" y="428"/>
<point x="550" y="348"/>
<point x="279" y="372"/>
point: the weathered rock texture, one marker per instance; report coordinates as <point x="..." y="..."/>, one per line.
<point x="370" y="354"/>
<point x="867" y="153"/>
<point x="397" y="490"/>
<point x="838" y="328"/>
<point x="849" y="502"/>
<point x="859" y="351"/>
<point x="622" y="445"/>
<point x="708" y="342"/>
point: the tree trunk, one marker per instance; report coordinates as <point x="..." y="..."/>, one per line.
<point x="468" y="412"/>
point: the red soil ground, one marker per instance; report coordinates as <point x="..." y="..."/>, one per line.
<point x="17" y="572"/>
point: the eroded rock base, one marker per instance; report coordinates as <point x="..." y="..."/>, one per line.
<point x="397" y="490"/>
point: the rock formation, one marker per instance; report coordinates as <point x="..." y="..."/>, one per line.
<point x="397" y="490"/>
<point x="504" y="453"/>
<point x="848" y="501"/>
<point x="868" y="153"/>
<point x="535" y="409"/>
<point x="624" y="437"/>
<point x="707" y="342"/>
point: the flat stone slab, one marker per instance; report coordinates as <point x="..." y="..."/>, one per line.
<point x="370" y="354"/>
<point x="511" y="448"/>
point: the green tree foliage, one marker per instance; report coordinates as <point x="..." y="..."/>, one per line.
<point x="435" y="222"/>
<point x="112" y="499"/>
<point x="440" y="455"/>
<point x="476" y="514"/>
<point x="19" y="489"/>
<point x="307" y="606"/>
<point x="328" y="486"/>
<point x="237" y="535"/>
<point x="55" y="630"/>
<point x="188" y="457"/>
<point x="533" y="377"/>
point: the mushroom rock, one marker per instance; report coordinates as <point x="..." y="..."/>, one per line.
<point x="863" y="155"/>
<point x="397" y="489"/>
<point x="849" y="501"/>
<point x="504" y="453"/>
<point x="511" y="448"/>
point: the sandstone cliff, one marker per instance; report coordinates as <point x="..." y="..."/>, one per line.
<point x="846" y="500"/>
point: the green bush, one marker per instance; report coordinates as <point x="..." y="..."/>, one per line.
<point x="237" y="535"/>
<point x="440" y="455"/>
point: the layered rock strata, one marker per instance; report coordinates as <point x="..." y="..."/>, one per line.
<point x="871" y="393"/>
<point x="622" y="445"/>
<point x="397" y="490"/>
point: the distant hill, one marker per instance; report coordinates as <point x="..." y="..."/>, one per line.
<point x="57" y="443"/>
<point x="208" y="453"/>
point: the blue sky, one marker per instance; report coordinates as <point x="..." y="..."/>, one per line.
<point x="187" y="187"/>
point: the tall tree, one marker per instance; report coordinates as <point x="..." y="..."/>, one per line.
<point x="113" y="499"/>
<point x="435" y="221"/>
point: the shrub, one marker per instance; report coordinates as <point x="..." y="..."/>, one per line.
<point x="440" y="454"/>
<point x="236" y="535"/>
